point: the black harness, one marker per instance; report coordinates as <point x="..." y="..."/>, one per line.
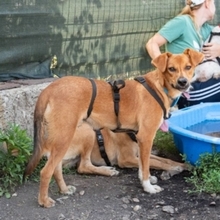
<point x="101" y="144"/>
<point x="116" y="86"/>
<point x="94" y="92"/>
<point x="154" y="94"/>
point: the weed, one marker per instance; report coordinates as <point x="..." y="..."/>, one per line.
<point x="165" y="146"/>
<point x="206" y="174"/>
<point x="15" y="149"/>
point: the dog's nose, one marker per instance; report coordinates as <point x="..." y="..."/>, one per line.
<point x="182" y="81"/>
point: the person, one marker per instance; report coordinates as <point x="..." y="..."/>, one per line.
<point x="190" y="29"/>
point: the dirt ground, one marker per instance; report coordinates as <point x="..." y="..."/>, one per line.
<point x="119" y="198"/>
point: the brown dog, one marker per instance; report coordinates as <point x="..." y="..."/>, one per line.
<point x="120" y="148"/>
<point x="144" y="102"/>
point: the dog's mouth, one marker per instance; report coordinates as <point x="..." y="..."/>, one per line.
<point x="182" y="84"/>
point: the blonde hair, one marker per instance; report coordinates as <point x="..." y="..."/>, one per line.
<point x="187" y="10"/>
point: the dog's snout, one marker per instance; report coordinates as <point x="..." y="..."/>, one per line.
<point x="182" y="81"/>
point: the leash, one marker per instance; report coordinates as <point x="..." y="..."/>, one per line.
<point x="101" y="144"/>
<point x="154" y="94"/>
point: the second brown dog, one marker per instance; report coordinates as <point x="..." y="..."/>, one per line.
<point x="120" y="150"/>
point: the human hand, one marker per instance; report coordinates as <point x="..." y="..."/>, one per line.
<point x="211" y="50"/>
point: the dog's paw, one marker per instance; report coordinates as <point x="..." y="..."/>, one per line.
<point x="148" y="187"/>
<point x="46" y="203"/>
<point x="113" y="172"/>
<point x="216" y="75"/>
<point x="69" y="190"/>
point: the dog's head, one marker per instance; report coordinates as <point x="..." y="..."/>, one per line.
<point x="177" y="70"/>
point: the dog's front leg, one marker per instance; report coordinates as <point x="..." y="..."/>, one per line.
<point x="144" y="167"/>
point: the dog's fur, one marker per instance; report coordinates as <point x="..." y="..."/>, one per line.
<point x="120" y="148"/>
<point x="209" y="68"/>
<point x="63" y="106"/>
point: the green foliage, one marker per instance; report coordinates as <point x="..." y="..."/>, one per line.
<point x="206" y="174"/>
<point x="165" y="146"/>
<point x="15" y="148"/>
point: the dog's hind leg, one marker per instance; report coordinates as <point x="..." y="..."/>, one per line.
<point x="46" y="173"/>
<point x="58" y="176"/>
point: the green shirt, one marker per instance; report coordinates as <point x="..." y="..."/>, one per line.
<point x="180" y="32"/>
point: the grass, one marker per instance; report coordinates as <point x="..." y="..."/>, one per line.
<point x="164" y="145"/>
<point x="206" y="174"/>
<point x="15" y="150"/>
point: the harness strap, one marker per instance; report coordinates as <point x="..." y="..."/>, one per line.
<point x="116" y="86"/>
<point x="154" y="94"/>
<point x="132" y="136"/>
<point x="101" y="144"/>
<point x="94" y="91"/>
<point x="119" y="130"/>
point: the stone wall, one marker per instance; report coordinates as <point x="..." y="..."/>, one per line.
<point x="17" y="105"/>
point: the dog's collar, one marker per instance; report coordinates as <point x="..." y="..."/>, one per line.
<point x="174" y="100"/>
<point x="154" y="94"/>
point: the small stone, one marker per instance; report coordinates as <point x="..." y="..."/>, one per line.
<point x="212" y="204"/>
<point x="136" y="208"/>
<point x="124" y="206"/>
<point x="126" y="217"/>
<point x="62" y="198"/>
<point x="152" y="217"/>
<point x="61" y="217"/>
<point x="136" y="200"/>
<point x="168" y="209"/>
<point x="162" y="202"/>
<point x="82" y="192"/>
<point x="125" y="200"/>
<point x="165" y="175"/>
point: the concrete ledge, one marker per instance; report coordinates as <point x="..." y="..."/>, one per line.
<point x="17" y="104"/>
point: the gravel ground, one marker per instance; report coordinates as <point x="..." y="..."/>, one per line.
<point x="119" y="198"/>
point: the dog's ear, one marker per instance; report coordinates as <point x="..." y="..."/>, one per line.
<point x="160" y="62"/>
<point x="195" y="56"/>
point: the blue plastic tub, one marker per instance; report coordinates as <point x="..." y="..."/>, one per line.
<point x="190" y="143"/>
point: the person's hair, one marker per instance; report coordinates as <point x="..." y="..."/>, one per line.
<point x="187" y="10"/>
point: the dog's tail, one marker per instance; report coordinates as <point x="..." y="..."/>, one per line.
<point x="37" y="151"/>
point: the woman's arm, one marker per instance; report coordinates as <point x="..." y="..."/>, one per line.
<point x="154" y="44"/>
<point x="211" y="50"/>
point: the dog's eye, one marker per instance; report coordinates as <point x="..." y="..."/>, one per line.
<point x="188" y="67"/>
<point x="171" y="69"/>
